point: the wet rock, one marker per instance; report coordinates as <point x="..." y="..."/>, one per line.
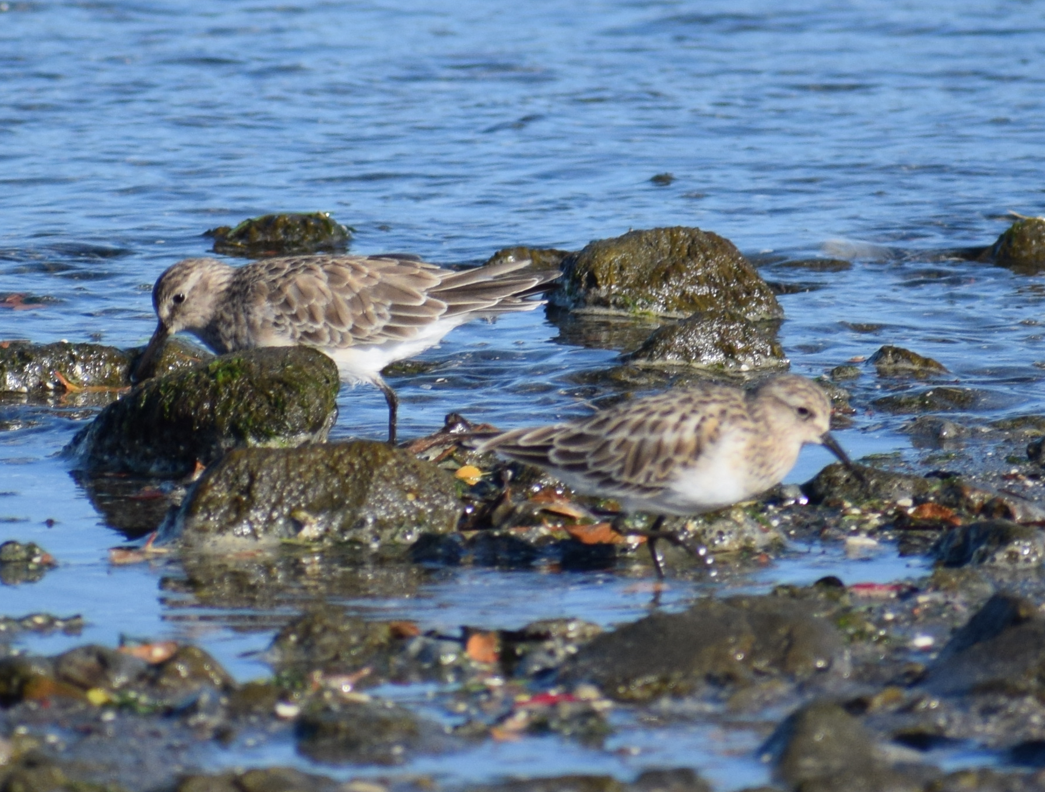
<point x="94" y="666"/>
<point x="893" y="361"/>
<point x="844" y="373"/>
<point x="187" y="671"/>
<point x="261" y="397"/>
<point x="932" y="431"/>
<point x="540" y="258"/>
<point x="19" y="674"/>
<point x="941" y="399"/>
<point x="837" y="483"/>
<point x="1036" y="451"/>
<point x="42" y="623"/>
<point x="544" y="645"/>
<point x="721" y="340"/>
<point x="995" y="542"/>
<point x="30" y="368"/>
<point x="329" y="640"/>
<point x="268" y="779"/>
<point x="23" y="563"/>
<point x="822" y="747"/>
<point x="281" y="235"/>
<point x="816" y="264"/>
<point x="1000" y="649"/>
<point x="362" y="491"/>
<point x="365" y="732"/>
<point x="672" y="271"/>
<point x="714" y="642"/>
<point x="1022" y="246"/>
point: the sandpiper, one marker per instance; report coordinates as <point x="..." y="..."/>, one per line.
<point x="682" y="452"/>
<point x="364" y="312"/>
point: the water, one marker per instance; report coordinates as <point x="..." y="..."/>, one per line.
<point x="885" y="133"/>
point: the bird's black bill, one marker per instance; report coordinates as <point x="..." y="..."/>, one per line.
<point x="832" y="445"/>
<point x="146" y="363"/>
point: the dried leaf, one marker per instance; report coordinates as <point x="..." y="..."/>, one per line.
<point x="600" y="533"/>
<point x="482" y="647"/>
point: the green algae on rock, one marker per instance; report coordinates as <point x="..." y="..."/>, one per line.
<point x="361" y="491"/>
<point x="670" y="271"/>
<point x="282" y="235"/>
<point x="1021" y="247"/>
<point x="717" y="341"/>
<point x="26" y="367"/>
<point x="891" y="361"/>
<point x="277" y="396"/>
<point x="540" y="258"/>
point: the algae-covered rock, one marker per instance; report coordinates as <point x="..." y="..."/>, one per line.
<point x="940" y="399"/>
<point x="891" y="361"/>
<point x="281" y="235"/>
<point x="671" y="271"/>
<point x="540" y="258"/>
<point x="365" y="732"/>
<point x="723" y="341"/>
<point x="26" y="367"/>
<point x="281" y="396"/>
<point x="361" y="491"/>
<point x="328" y="639"/>
<point x="1022" y="246"/>
<point x="726" y="642"/>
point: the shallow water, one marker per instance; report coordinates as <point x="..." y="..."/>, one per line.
<point x="882" y="134"/>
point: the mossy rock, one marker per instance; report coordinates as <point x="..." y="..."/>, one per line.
<point x="282" y="396"/>
<point x="1022" y="246"/>
<point x="669" y="271"/>
<point x="891" y="361"/>
<point x="716" y="341"/>
<point x="361" y="491"/>
<point x="282" y="235"/>
<point x="540" y="258"/>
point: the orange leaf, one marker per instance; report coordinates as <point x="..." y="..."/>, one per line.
<point x="151" y="653"/>
<point x="469" y="474"/>
<point x="482" y="647"/>
<point x="599" y="533"/>
<point x="404" y="629"/>
<point x="934" y="511"/>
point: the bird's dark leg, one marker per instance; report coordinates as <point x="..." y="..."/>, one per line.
<point x="652" y="534"/>
<point x="393" y="407"/>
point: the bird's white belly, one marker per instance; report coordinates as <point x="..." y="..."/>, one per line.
<point x="363" y="362"/>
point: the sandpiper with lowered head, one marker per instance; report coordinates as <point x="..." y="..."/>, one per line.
<point x="682" y="452"/>
<point x="365" y="312"/>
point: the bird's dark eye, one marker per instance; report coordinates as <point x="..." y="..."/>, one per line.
<point x="178" y="299"/>
<point x="804" y="413"/>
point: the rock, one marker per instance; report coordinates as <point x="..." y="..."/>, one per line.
<point x="1022" y="246"/>
<point x="933" y="431"/>
<point x="670" y="271"/>
<point x="364" y="732"/>
<point x="328" y="639"/>
<point x="94" y="666"/>
<point x="361" y="491"/>
<point x="280" y="396"/>
<point x="844" y="372"/>
<point x="837" y="483"/>
<point x="1000" y="649"/>
<point x="540" y="258"/>
<point x="995" y="542"/>
<point x="187" y="671"/>
<point x="822" y="747"/>
<point x="892" y="361"/>
<point x="725" y="642"/>
<point x="281" y="235"/>
<point x="23" y="563"/>
<point x="940" y="399"/>
<point x="26" y="367"/>
<point x="268" y="779"/>
<point x="717" y="341"/>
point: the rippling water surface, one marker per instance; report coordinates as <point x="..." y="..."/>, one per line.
<point x="884" y="133"/>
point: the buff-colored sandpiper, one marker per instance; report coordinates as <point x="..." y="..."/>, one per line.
<point x="682" y="452"/>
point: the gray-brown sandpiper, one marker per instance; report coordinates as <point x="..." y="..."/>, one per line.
<point x="364" y="312"/>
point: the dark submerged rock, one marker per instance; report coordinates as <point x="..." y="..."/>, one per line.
<point x="822" y="747"/>
<point x="1000" y="649"/>
<point x="281" y="235"/>
<point x="892" y="361"/>
<point x="940" y="399"/>
<point x="719" y="642"/>
<point x="996" y="542"/>
<point x="722" y="340"/>
<point x="261" y="397"/>
<point x="540" y="258"/>
<point x="1022" y="246"/>
<point x="361" y="491"/>
<point x="672" y="271"/>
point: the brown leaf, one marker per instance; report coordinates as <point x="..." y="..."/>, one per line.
<point x="600" y="533"/>
<point x="482" y="647"/>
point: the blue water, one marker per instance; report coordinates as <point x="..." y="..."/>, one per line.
<point x="881" y="132"/>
